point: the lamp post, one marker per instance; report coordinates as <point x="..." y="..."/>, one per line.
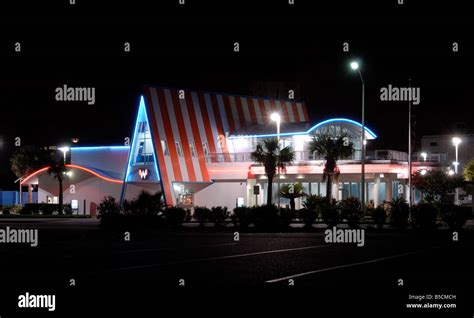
<point x="456" y="142"/>
<point x="276" y="118"/>
<point x="355" y="66"/>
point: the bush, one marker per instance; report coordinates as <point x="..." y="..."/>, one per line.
<point x="242" y="216"/>
<point x="175" y="216"/>
<point x="350" y="209"/>
<point x="109" y="212"/>
<point x="329" y="211"/>
<point x="379" y="215"/>
<point x="286" y="216"/>
<point x="399" y="211"/>
<point x="424" y="215"/>
<point x="455" y="216"/>
<point x="312" y="201"/>
<point x="145" y="203"/>
<point x="265" y="216"/>
<point x="39" y="208"/>
<point x="201" y="214"/>
<point x="67" y="209"/>
<point x="219" y="215"/>
<point x="6" y="211"/>
<point x="307" y="216"/>
<point x="108" y="206"/>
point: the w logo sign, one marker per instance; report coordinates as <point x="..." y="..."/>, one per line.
<point x="143" y="173"/>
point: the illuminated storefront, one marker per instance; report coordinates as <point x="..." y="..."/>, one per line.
<point x="195" y="148"/>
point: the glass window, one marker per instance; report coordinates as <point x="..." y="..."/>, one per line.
<point x="178" y="149"/>
<point x="322" y="189"/>
<point x="345" y="190"/>
<point x="355" y="190"/>
<point x="193" y="150"/>
<point x="205" y="148"/>
<point x="315" y="188"/>
<point x="382" y="190"/>
<point x="164" y="146"/>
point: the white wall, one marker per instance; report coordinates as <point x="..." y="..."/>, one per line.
<point x="221" y="194"/>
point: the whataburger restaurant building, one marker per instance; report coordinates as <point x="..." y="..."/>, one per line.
<point x="195" y="147"/>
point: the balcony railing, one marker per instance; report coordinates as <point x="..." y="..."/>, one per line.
<point x="301" y="156"/>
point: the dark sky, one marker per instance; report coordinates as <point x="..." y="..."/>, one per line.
<point x="191" y="47"/>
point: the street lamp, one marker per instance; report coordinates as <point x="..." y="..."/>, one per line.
<point x="456" y="142"/>
<point x="424" y="155"/>
<point x="276" y="118"/>
<point x="64" y="150"/>
<point x="355" y="66"/>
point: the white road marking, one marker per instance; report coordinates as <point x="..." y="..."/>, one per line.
<point x="220" y="257"/>
<point x="276" y="280"/>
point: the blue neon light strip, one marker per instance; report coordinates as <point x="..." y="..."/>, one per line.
<point x="332" y="120"/>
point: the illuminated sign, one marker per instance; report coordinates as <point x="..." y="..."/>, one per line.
<point x="143" y="173"/>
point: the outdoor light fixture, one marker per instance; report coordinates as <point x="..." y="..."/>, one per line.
<point x="423" y="172"/>
<point x="456" y="141"/>
<point x="354" y="65"/>
<point x="424" y="155"/>
<point x="450" y="172"/>
<point x="275" y="117"/>
<point x="64" y="149"/>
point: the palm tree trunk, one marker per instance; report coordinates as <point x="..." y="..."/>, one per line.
<point x="329" y="186"/>
<point x="60" y="196"/>
<point x="270" y="191"/>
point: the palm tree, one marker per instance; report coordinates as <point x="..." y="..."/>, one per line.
<point x="331" y="149"/>
<point x="292" y="191"/>
<point x="271" y="157"/>
<point x="58" y="170"/>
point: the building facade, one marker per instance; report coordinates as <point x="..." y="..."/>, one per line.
<point x="195" y="148"/>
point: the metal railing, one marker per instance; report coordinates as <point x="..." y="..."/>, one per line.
<point x="301" y="156"/>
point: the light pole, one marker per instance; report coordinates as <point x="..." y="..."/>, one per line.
<point x="355" y="66"/>
<point x="456" y="142"/>
<point x="276" y="118"/>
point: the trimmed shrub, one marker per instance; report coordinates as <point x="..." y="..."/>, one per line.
<point x="424" y="215"/>
<point x="175" y="216"/>
<point x="242" y="217"/>
<point x="455" y="216"/>
<point x="350" y="209"/>
<point x="201" y="214"/>
<point x="379" y="216"/>
<point x="40" y="208"/>
<point x="109" y="212"/>
<point x="265" y="216"/>
<point x="330" y="212"/>
<point x="312" y="201"/>
<point x="218" y="215"/>
<point x="145" y="203"/>
<point x="399" y="211"/>
<point x="286" y="216"/>
<point x="307" y="216"/>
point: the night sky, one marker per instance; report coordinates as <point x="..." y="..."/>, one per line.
<point x="192" y="47"/>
